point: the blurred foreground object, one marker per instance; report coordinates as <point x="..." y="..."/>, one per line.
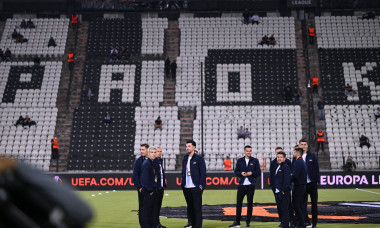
<point x="29" y="198"/>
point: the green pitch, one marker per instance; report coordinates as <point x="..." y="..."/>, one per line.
<point x="118" y="208"/>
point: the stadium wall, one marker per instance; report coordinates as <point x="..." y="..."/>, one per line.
<point x="215" y="180"/>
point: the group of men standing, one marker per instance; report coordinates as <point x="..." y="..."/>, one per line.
<point x="291" y="181"/>
<point x="299" y="177"/>
<point x="149" y="179"/>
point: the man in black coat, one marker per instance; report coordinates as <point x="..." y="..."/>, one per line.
<point x="299" y="179"/>
<point x="160" y="188"/>
<point x="313" y="178"/>
<point x="193" y="183"/>
<point x="247" y="170"/>
<point x="272" y="173"/>
<point x="136" y="178"/>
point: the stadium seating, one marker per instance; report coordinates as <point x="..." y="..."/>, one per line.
<point x="227" y="40"/>
<point x="348" y="54"/>
<point x="345" y="124"/>
<point x="153" y="35"/>
<point x="104" y="34"/>
<point x="167" y="139"/>
<point x="347" y="32"/>
<point x="243" y="85"/>
<point x="32" y="91"/>
<point x="97" y="146"/>
<point x="270" y="126"/>
<point x="38" y="37"/>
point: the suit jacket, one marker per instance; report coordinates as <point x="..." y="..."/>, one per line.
<point x="253" y="166"/>
<point x="148" y="176"/>
<point x="282" y="178"/>
<point x="136" y="177"/>
<point x="299" y="176"/>
<point x="312" y="166"/>
<point x="272" y="170"/>
<point x="197" y="169"/>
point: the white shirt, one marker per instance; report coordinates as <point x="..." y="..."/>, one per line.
<point x="277" y="190"/>
<point x="246" y="181"/>
<point x="255" y="17"/>
<point x="162" y="176"/>
<point x="189" y="181"/>
<point x="307" y="175"/>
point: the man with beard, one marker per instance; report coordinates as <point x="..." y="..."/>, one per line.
<point x="193" y="183"/>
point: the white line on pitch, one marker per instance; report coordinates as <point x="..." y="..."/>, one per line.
<point x="377" y="193"/>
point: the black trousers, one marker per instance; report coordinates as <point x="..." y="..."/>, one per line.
<point x="291" y="210"/>
<point x="148" y="209"/>
<point x="141" y="201"/>
<point x="283" y="202"/>
<point x="242" y="191"/>
<point x="193" y="197"/>
<point x="298" y="196"/>
<point x="312" y="190"/>
<point x="157" y="206"/>
<point x="321" y="145"/>
<point x="315" y="88"/>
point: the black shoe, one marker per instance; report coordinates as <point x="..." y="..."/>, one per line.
<point x="161" y="226"/>
<point x="189" y="225"/>
<point x="247" y="224"/>
<point x="235" y="224"/>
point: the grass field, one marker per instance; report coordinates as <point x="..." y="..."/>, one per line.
<point x="118" y="209"/>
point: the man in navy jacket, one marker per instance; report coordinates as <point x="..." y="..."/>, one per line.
<point x="272" y="174"/>
<point x="149" y="184"/>
<point x="136" y="178"/>
<point x="281" y="185"/>
<point x="193" y="183"/>
<point x="299" y="178"/>
<point x="313" y="178"/>
<point x="160" y="188"/>
<point x="247" y="170"/>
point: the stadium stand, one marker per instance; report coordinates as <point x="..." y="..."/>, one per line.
<point x="104" y="34"/>
<point x="270" y="126"/>
<point x="244" y="84"/>
<point x="38" y="37"/>
<point x="204" y="37"/>
<point x="153" y="35"/>
<point x="122" y="89"/>
<point x="347" y="32"/>
<point x="168" y="138"/>
<point x="32" y="91"/>
<point x="349" y="55"/>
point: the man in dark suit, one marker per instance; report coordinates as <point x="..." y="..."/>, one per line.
<point x="281" y="185"/>
<point x="160" y="188"/>
<point x="247" y="170"/>
<point x="136" y="178"/>
<point x="193" y="183"/>
<point x="272" y="173"/>
<point x="149" y="183"/>
<point x="299" y="178"/>
<point x="313" y="178"/>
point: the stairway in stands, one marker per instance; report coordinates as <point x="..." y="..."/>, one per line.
<point x="324" y="157"/>
<point x="186" y="114"/>
<point x="302" y="79"/>
<point x="171" y="50"/>
<point x="70" y="93"/>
